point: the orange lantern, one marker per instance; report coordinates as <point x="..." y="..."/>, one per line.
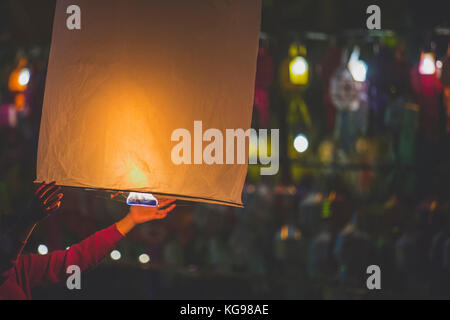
<point x="20" y="77"/>
<point x="20" y="101"/>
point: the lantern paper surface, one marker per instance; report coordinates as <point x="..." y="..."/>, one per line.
<point x="136" y="71"/>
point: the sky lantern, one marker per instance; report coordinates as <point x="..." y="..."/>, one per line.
<point x="137" y="79"/>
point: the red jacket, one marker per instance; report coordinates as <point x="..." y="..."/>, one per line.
<point x="33" y="270"/>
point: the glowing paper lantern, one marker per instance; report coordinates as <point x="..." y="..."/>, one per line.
<point x="118" y="89"/>
<point x="298" y="67"/>
<point x="298" y="71"/>
<point x="20" y="77"/>
<point x="427" y="63"/>
<point x="357" y="67"/>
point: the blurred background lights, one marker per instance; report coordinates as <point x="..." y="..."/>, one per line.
<point x="289" y="232"/>
<point x="144" y="258"/>
<point x="427" y="64"/>
<point x="439" y="66"/>
<point x="116" y="255"/>
<point x="19" y="77"/>
<point x="299" y="66"/>
<point x="301" y="143"/>
<point x="42" y="249"/>
<point x="358" y="68"/>
<point x="24" y="77"/>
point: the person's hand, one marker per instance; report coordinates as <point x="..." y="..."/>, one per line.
<point x="46" y="200"/>
<point x="142" y="214"/>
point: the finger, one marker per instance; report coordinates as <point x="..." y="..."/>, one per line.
<point x="166" y="202"/>
<point x="54" y="207"/>
<point x="46" y="189"/>
<point x="52" y="196"/>
<point x="48" y="193"/>
<point x="41" y="186"/>
<point x="54" y="200"/>
<point x="165" y="211"/>
<point x="161" y="216"/>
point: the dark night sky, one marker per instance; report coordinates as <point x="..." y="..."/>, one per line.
<point x="30" y="21"/>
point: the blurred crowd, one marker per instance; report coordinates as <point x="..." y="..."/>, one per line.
<point x="311" y="239"/>
<point x="293" y="242"/>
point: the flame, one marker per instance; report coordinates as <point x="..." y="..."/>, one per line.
<point x="142" y="199"/>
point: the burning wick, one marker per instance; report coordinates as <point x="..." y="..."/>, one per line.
<point x="142" y="199"/>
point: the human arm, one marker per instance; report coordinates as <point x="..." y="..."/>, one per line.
<point x="52" y="267"/>
<point x="46" y="200"/>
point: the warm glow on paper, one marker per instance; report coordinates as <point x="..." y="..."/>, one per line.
<point x="135" y="71"/>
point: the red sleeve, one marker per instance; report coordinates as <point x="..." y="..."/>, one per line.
<point x="41" y="270"/>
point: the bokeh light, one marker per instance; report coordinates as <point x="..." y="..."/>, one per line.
<point x="144" y="258"/>
<point x="301" y="143"/>
<point x="42" y="249"/>
<point x="116" y="255"/>
<point x="24" y="77"/>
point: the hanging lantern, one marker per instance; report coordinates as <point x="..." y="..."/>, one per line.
<point x="344" y="91"/>
<point x="264" y="77"/>
<point x="20" y="77"/>
<point x="427" y="88"/>
<point x="427" y="63"/>
<point x="20" y="101"/>
<point x="294" y="70"/>
<point x="298" y="66"/>
<point x="357" y="67"/>
<point x="121" y="90"/>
